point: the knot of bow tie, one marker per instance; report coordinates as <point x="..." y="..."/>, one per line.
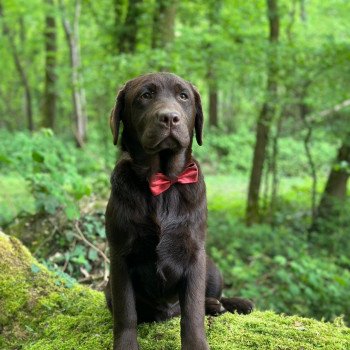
<point x="160" y="182"/>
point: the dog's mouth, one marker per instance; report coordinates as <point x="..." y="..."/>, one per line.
<point x="169" y="142"/>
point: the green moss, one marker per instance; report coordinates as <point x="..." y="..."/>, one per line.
<point x="40" y="311"/>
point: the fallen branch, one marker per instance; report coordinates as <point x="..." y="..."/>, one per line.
<point x="312" y="117"/>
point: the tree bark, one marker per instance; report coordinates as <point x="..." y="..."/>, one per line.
<point x="79" y="101"/>
<point x="118" y="23"/>
<point x="274" y="171"/>
<point x="128" y="31"/>
<point x="265" y="118"/>
<point x="49" y="104"/>
<point x="303" y="13"/>
<point x="213" y="19"/>
<point x="164" y="23"/>
<point x="21" y="71"/>
<point x="336" y="186"/>
<point x="213" y="103"/>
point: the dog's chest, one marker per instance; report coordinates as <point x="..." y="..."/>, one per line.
<point x="166" y="246"/>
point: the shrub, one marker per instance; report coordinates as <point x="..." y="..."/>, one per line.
<point x="279" y="269"/>
<point x="56" y="173"/>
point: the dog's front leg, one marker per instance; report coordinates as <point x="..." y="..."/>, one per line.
<point x="192" y="296"/>
<point x="123" y="305"/>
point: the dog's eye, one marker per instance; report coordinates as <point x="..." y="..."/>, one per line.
<point x="147" y="95"/>
<point x="183" y="96"/>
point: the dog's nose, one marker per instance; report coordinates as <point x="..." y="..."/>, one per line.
<point x="169" y="118"/>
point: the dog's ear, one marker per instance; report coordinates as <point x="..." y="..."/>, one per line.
<point x="198" y="123"/>
<point x="117" y="114"/>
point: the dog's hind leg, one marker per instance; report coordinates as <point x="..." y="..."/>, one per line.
<point x="215" y="304"/>
<point x="214" y="284"/>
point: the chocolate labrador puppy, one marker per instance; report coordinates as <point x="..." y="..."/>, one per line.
<point x="156" y="215"/>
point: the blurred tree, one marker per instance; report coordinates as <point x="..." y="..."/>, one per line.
<point x="214" y="8"/>
<point x="49" y="103"/>
<point x="129" y="29"/>
<point x="267" y="113"/>
<point x="164" y="23"/>
<point x="79" y="102"/>
<point x="118" y="7"/>
<point x="336" y="186"/>
<point x="19" y="67"/>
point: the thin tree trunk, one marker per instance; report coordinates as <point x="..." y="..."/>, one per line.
<point x="79" y="101"/>
<point x="264" y="120"/>
<point x="213" y="19"/>
<point x="303" y="113"/>
<point x="21" y="71"/>
<point x="213" y="102"/>
<point x="303" y="14"/>
<point x="128" y="31"/>
<point x="274" y="171"/>
<point x="228" y="111"/>
<point x="290" y="25"/>
<point x="118" y="24"/>
<point x="164" y="23"/>
<point x="49" y="104"/>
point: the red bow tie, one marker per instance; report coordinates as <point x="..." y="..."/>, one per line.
<point x="160" y="183"/>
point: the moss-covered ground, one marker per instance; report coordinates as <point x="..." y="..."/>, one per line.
<point x="41" y="311"/>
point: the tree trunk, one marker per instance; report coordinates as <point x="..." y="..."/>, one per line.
<point x="213" y="19"/>
<point x="164" y="23"/>
<point x="336" y="186"/>
<point x="79" y="101"/>
<point x="49" y="104"/>
<point x="128" y="31"/>
<point x="274" y="171"/>
<point x="118" y="24"/>
<point x="21" y="71"/>
<point x="264" y="120"/>
<point x="213" y="104"/>
<point x="303" y="13"/>
<point x="304" y="112"/>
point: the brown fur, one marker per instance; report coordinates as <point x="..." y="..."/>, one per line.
<point x="159" y="267"/>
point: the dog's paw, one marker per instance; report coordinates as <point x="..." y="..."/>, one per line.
<point x="213" y="307"/>
<point x="241" y="305"/>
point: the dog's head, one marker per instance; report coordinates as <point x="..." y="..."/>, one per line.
<point x="159" y="111"/>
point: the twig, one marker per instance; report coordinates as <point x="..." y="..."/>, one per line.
<point x="90" y="278"/>
<point x="311" y="162"/>
<point x="81" y="237"/>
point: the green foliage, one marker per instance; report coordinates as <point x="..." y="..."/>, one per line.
<point x="231" y="153"/>
<point x="74" y="255"/>
<point x="279" y="269"/>
<point x="54" y="171"/>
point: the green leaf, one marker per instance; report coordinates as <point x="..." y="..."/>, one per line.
<point x="37" y="157"/>
<point x="92" y="255"/>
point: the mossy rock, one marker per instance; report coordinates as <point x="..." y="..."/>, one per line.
<point x="41" y="311"/>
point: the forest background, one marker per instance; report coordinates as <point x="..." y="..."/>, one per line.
<point x="274" y="76"/>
